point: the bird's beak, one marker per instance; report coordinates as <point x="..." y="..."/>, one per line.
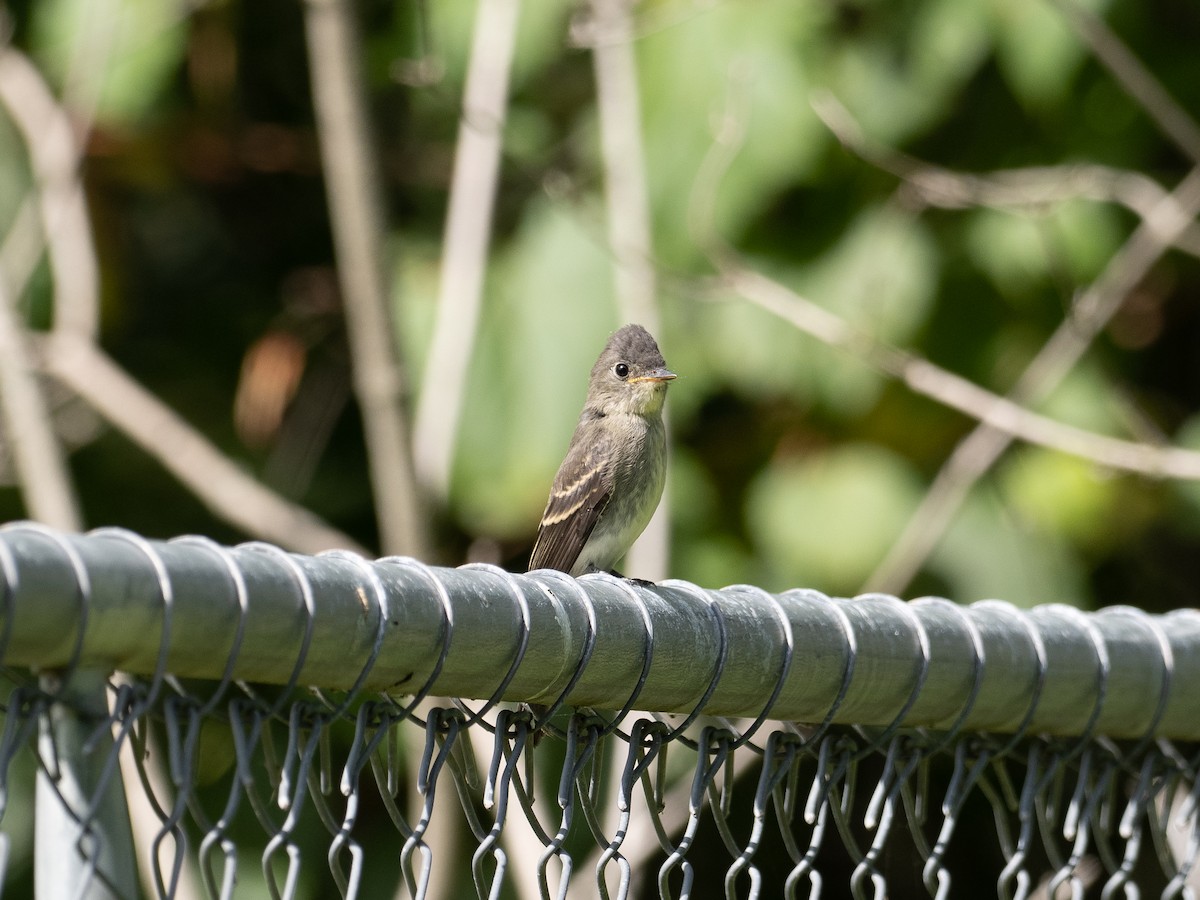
<point x="656" y="375"/>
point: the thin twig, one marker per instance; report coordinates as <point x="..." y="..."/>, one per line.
<point x="1037" y="187"/>
<point x="628" y="206"/>
<point x="954" y="391"/>
<point x="352" y="187"/>
<point x="1001" y="419"/>
<point x="1139" y="83"/>
<point x="465" y="242"/>
<point x="1088" y="315"/>
<point x="217" y="481"/>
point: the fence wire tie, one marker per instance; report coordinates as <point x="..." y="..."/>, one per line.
<point x="382" y="614"/>
<point x="166" y="595"/>
<point x="978" y="668"/>
<point x="445" y="636"/>
<point x="83" y="596"/>
<point x="307" y="601"/>
<point x="843" y="620"/>
<point x="241" y="596"/>
<point x="1103" y="671"/>
<point x="787" y="653"/>
<point x="522" y="605"/>
<point x="876" y="743"/>
<point x="622" y="584"/>
<point x="722" y="640"/>
<point x="1039" y="648"/>
<point x="564" y="581"/>
<point x="1167" y="657"/>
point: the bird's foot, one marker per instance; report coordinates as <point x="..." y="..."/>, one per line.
<point x="640" y="582"/>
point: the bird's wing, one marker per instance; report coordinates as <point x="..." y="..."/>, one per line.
<point x="581" y="490"/>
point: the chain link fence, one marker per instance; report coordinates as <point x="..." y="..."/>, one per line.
<point x="283" y="731"/>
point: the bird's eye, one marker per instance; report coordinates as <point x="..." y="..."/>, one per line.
<point x="621" y="370"/>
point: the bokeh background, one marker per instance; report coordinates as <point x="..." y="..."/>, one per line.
<point x="949" y="177"/>
<point x="833" y="214"/>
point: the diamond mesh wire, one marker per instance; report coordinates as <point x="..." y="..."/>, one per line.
<point x="314" y="780"/>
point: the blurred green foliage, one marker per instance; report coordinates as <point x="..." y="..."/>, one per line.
<point x="794" y="463"/>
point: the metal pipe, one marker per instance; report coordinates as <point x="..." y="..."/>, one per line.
<point x="112" y="600"/>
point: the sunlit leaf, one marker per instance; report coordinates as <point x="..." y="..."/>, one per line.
<point x="122" y="52"/>
<point x="1036" y="49"/>
<point x="703" y="74"/>
<point x="547" y="315"/>
<point x="1061" y="494"/>
<point x="989" y="551"/>
<point x="826" y="521"/>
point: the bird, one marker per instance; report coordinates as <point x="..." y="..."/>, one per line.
<point x="612" y="477"/>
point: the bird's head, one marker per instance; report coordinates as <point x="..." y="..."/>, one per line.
<point x="630" y="376"/>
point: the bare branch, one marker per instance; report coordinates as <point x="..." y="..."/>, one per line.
<point x="628" y="205"/>
<point x="466" y="240"/>
<point x="352" y="186"/>
<point x="54" y="158"/>
<point x="219" y="483"/>
<point x="37" y="457"/>
<point x="626" y="196"/>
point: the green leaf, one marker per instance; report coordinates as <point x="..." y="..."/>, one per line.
<point x="1010" y="248"/>
<point x="1036" y="50"/>
<point x="827" y="520"/>
<point x="1022" y="251"/>
<point x="987" y="552"/>
<point x="548" y="313"/>
<point x="1062" y="495"/>
<point x="126" y="52"/>
<point x="898" y="69"/>
<point x="880" y="277"/>
<point x="694" y="72"/>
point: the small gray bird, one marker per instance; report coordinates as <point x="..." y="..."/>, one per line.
<point x="611" y="480"/>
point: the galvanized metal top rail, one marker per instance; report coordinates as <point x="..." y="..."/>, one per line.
<point x="190" y="608"/>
